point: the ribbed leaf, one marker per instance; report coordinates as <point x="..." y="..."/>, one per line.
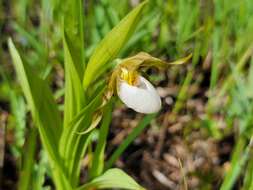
<point x="40" y="99"/>
<point x="73" y="28"/>
<point x="74" y="93"/>
<point x="110" y="46"/>
<point x="113" y="178"/>
<point x="44" y="112"/>
<point x="27" y="168"/>
<point x="73" y="103"/>
<point x="74" y="144"/>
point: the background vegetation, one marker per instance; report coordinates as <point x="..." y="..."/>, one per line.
<point x="201" y="139"/>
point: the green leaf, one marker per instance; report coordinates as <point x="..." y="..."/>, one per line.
<point x="25" y="177"/>
<point x="239" y="158"/>
<point x="110" y="46"/>
<point x="74" y="144"/>
<point x="40" y="100"/>
<point x="74" y="93"/>
<point x="73" y="103"/>
<point x="73" y="29"/>
<point x="75" y="126"/>
<point x="112" y="178"/>
<point x="248" y="178"/>
<point x="44" y="112"/>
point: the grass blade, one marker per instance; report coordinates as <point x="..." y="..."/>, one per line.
<point x="29" y="159"/>
<point x="239" y="158"/>
<point x="73" y="29"/>
<point x="130" y="138"/>
<point x="248" y="179"/>
<point x="74" y="93"/>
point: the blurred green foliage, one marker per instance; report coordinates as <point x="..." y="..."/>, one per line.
<point x="218" y="32"/>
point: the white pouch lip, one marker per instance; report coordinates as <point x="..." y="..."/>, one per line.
<point x="142" y="98"/>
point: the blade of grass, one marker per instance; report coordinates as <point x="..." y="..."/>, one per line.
<point x="21" y="10"/>
<point x="74" y="33"/>
<point x="187" y="18"/>
<point x="32" y="40"/>
<point x="248" y="178"/>
<point x="229" y="81"/>
<point x="41" y="170"/>
<point x="182" y="96"/>
<point x="3" y="118"/>
<point x="29" y="160"/>
<point x="239" y="158"/>
<point x="130" y="138"/>
<point x="74" y="94"/>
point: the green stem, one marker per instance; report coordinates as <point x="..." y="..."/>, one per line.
<point x="98" y="158"/>
<point x="26" y="171"/>
<point x="239" y="158"/>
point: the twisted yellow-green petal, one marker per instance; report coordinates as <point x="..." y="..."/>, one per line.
<point x="143" y="59"/>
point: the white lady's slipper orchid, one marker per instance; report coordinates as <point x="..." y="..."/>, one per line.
<point x="142" y="97"/>
<point x="134" y="90"/>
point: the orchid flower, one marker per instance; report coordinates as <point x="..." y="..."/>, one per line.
<point x="134" y="90"/>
